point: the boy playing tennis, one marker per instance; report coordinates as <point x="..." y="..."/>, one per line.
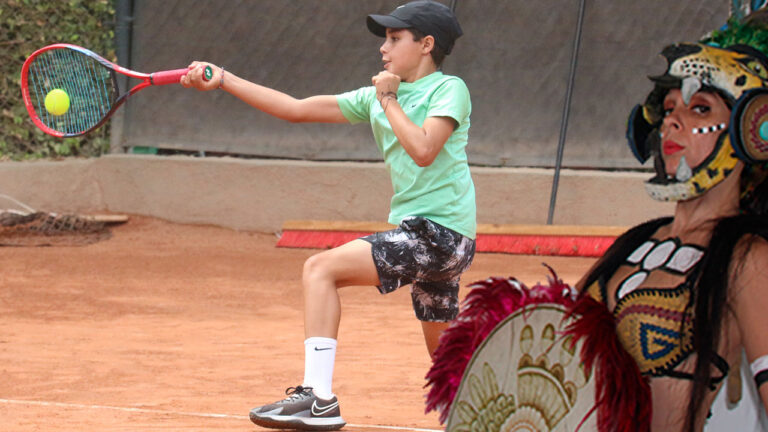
<point x="420" y="121"/>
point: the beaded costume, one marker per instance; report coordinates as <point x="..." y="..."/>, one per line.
<point x="655" y="325"/>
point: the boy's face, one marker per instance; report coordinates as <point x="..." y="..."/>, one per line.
<point x="401" y="54"/>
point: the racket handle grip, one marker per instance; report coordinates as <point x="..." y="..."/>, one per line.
<point x="207" y="73"/>
<point x="167" y="77"/>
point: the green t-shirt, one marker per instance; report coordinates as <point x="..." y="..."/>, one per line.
<point x="443" y="191"/>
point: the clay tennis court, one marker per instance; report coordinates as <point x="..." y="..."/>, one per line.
<point x="180" y="327"/>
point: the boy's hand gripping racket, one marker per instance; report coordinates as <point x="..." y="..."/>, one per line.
<point x="70" y="91"/>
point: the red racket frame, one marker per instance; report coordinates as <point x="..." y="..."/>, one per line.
<point x="155" y="78"/>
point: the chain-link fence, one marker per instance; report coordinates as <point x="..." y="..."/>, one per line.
<point x="515" y="56"/>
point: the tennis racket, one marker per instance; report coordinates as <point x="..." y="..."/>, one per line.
<point x="89" y="83"/>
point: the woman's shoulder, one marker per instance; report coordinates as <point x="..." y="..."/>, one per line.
<point x="748" y="288"/>
<point x="751" y="248"/>
<point x="747" y="235"/>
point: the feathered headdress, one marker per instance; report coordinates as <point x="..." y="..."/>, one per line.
<point x="732" y="62"/>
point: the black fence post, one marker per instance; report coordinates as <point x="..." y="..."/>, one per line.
<point x="566" y="112"/>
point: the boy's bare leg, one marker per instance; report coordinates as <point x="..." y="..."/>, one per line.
<point x="346" y="265"/>
<point x="432" y="332"/>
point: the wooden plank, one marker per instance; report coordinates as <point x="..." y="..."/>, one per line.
<point x="492" y="229"/>
<point x="552" y="230"/>
<point x="107" y="218"/>
<point x="317" y="225"/>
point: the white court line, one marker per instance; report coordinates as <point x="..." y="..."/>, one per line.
<point x="209" y="415"/>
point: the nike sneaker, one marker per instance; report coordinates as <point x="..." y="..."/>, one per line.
<point x="301" y="410"/>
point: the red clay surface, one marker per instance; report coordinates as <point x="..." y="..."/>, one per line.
<point x="168" y="327"/>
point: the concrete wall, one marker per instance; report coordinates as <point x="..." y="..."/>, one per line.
<point x="259" y="195"/>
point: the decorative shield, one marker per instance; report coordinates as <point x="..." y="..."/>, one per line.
<point x="526" y="376"/>
<point x="535" y="359"/>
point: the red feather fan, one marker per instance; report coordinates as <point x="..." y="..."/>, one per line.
<point x="622" y="394"/>
<point x="486" y="305"/>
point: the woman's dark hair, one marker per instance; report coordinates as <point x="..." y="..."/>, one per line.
<point x="437" y="54"/>
<point x="711" y="289"/>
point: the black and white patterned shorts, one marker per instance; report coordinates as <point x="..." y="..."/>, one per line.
<point x="428" y="256"/>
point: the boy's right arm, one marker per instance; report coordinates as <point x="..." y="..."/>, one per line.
<point x="314" y="109"/>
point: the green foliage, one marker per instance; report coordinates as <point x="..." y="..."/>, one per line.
<point x="25" y="26"/>
<point x="754" y="34"/>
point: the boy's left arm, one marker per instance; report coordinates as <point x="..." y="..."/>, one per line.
<point x="422" y="144"/>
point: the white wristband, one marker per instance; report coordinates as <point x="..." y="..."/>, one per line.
<point x="759" y="365"/>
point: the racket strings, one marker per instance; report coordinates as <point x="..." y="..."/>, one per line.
<point x="89" y="85"/>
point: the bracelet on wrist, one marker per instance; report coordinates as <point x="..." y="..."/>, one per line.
<point x="389" y="94"/>
<point x="221" y="79"/>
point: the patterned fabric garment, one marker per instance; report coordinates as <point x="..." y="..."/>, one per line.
<point x="427" y="255"/>
<point x="655" y="325"/>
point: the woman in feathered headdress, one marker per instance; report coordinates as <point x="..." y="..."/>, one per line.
<point x="683" y="295"/>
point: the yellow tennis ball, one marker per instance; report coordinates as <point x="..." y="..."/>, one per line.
<point x="57" y="102"/>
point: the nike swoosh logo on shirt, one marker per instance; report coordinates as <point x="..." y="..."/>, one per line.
<point x="318" y="410"/>
<point x="321" y="349"/>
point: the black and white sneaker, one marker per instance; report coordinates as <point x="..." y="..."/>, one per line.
<point x="300" y="410"/>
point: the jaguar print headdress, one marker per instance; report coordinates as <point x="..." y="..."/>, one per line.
<point x="731" y="62"/>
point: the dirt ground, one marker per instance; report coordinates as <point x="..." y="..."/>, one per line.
<point x="186" y="328"/>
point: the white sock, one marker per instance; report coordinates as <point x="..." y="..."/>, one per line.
<point x="319" y="358"/>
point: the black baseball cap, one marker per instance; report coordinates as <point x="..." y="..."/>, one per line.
<point x="429" y="17"/>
